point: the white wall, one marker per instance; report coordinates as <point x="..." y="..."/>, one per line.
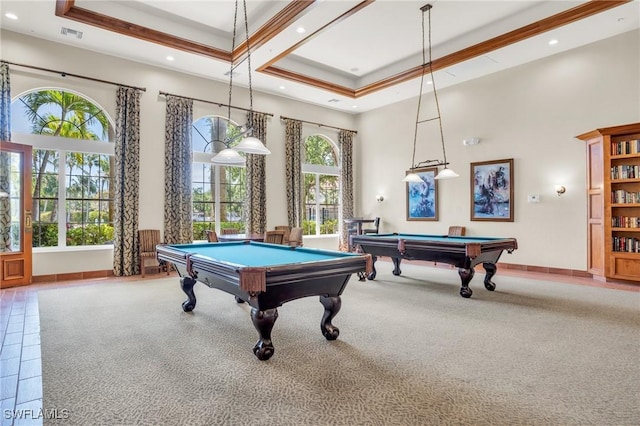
<point x="22" y="49"/>
<point x="532" y="114"/>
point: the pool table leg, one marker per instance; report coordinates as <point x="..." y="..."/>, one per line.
<point x="491" y="269"/>
<point x="187" y="284"/>
<point x="263" y="321"/>
<point x="332" y="306"/>
<point x="396" y="265"/>
<point x="466" y="275"/>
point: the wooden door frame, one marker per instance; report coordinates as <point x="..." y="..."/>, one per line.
<point x="16" y="267"/>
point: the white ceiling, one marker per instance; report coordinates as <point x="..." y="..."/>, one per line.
<point x="379" y="40"/>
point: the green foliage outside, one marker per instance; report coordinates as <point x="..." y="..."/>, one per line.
<point x="200" y="228"/>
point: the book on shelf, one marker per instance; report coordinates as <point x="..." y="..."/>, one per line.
<point x="625" y="147"/>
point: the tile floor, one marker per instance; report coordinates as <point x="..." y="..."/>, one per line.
<point x="20" y="356"/>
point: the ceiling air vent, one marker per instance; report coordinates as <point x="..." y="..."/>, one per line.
<point x="71" y="33"/>
<point x="333" y="100"/>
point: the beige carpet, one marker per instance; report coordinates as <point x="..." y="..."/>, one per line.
<point x="411" y="352"/>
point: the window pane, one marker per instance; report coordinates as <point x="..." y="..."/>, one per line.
<point x="328" y="204"/>
<point x="320" y="151"/>
<point x="45" y="198"/>
<point x="208" y="134"/>
<point x="89" y="199"/>
<point x="87" y="181"/>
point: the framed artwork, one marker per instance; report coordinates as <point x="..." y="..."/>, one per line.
<point x="422" y="197"/>
<point x="492" y="190"/>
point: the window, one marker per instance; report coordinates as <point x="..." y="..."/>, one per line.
<point x="72" y="184"/>
<point x="219" y="192"/>
<point x="321" y="186"/>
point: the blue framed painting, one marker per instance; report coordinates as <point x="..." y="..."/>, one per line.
<point x="422" y="197"/>
<point x="492" y="190"/>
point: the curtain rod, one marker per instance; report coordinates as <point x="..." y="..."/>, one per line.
<point x="215" y="103"/>
<point x="317" y="124"/>
<point x="68" y="74"/>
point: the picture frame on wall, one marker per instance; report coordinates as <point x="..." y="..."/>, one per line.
<point x="422" y="197"/>
<point x="492" y="190"/>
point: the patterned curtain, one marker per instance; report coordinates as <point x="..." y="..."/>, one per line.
<point x="5" y="103"/>
<point x="256" y="206"/>
<point x="126" y="182"/>
<point x="345" y="140"/>
<point x="178" y="158"/>
<point x="5" y="135"/>
<point x="293" y="163"/>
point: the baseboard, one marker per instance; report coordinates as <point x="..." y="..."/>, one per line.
<point x="90" y="275"/>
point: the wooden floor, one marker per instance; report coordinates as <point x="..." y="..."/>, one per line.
<point x="20" y="355"/>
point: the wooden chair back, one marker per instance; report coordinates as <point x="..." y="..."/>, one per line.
<point x="287" y="231"/>
<point x="148" y="239"/>
<point x="212" y="237"/>
<point x="456" y="231"/>
<point x="375" y="227"/>
<point x="274" y="237"/>
<point x="227" y="231"/>
<point x="295" y="237"/>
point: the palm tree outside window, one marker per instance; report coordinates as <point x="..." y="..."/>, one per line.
<point x="72" y="139"/>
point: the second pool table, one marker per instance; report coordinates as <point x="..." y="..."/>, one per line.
<point x="266" y="276"/>
<point x="462" y="252"/>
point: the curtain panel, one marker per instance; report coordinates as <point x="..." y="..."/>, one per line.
<point x="293" y="172"/>
<point x="256" y="179"/>
<point x="126" y="182"/>
<point x="5" y="135"/>
<point x="345" y="140"/>
<point x="178" y="159"/>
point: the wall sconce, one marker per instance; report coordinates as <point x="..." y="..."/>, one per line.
<point x="560" y="189"/>
<point x="471" y="141"/>
<point x="379" y="198"/>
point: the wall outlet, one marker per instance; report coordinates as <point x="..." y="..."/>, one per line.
<point x="533" y="198"/>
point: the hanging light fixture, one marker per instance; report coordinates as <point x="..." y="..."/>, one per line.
<point x="445" y="173"/>
<point x="230" y="155"/>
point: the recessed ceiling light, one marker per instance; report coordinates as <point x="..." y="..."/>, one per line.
<point x="170" y="58"/>
<point x="11" y="15"/>
<point x="282" y="87"/>
<point x="300" y="30"/>
<point x="354" y="106"/>
<point x="552" y="42"/>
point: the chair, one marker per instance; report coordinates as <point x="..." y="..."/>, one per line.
<point x="212" y="237"/>
<point x="274" y="237"/>
<point x="227" y="231"/>
<point x="287" y="231"/>
<point x="148" y="239"/>
<point x="295" y="237"/>
<point x="374" y="229"/>
<point x="456" y="231"/>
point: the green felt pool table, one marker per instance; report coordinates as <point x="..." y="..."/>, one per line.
<point x="266" y="276"/>
<point x="462" y="252"/>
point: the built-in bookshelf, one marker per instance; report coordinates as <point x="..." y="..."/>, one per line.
<point x="613" y="193"/>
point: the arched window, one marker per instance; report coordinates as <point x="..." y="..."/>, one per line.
<point x="219" y="192"/>
<point x="72" y="139"/>
<point x="321" y="186"/>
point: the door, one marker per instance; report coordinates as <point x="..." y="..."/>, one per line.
<point x="15" y="215"/>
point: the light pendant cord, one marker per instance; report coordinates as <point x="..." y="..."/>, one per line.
<point x="233" y="46"/>
<point x="415" y="132"/>
<point x="246" y="30"/>
<point x="433" y="83"/>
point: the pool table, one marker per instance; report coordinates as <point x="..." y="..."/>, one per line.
<point x="462" y="252"/>
<point x="266" y="276"/>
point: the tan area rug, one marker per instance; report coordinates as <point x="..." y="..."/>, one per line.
<point x="411" y="352"/>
